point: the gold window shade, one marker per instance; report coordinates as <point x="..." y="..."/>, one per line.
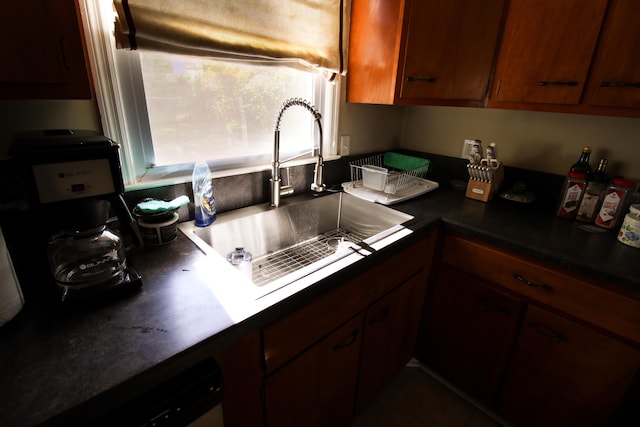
<point x="305" y="32"/>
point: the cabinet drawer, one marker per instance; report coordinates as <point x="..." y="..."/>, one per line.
<point x="290" y="335"/>
<point x="550" y="286"/>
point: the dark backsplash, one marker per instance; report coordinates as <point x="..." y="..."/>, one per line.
<point x="238" y="191"/>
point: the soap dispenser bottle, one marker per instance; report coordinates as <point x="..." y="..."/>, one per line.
<point x="203" y="201"/>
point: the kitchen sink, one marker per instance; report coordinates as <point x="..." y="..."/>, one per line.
<point x="305" y="234"/>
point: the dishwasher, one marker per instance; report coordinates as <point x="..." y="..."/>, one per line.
<point x="192" y="398"/>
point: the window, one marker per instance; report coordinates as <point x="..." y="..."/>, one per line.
<point x="169" y="110"/>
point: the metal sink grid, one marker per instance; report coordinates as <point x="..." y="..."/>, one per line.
<point x="278" y="264"/>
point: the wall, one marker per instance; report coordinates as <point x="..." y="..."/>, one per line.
<point x="371" y="128"/>
<point x="21" y="116"/>
<point x="546" y="142"/>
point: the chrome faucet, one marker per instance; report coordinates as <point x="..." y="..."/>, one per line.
<point x="276" y="189"/>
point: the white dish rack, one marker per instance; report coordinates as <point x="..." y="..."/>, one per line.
<point x="373" y="180"/>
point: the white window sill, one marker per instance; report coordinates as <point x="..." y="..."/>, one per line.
<point x="178" y="174"/>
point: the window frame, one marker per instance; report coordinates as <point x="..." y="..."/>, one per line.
<point x="117" y="76"/>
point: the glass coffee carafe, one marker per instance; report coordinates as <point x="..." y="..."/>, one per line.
<point x="87" y="256"/>
<point x="92" y="258"/>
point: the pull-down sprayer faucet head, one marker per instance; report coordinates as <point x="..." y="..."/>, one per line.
<point x="318" y="184"/>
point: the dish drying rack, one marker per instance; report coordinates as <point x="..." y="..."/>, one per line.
<point x="389" y="178"/>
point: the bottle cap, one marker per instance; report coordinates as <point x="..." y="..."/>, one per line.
<point x="579" y="175"/>
<point x="622" y="182"/>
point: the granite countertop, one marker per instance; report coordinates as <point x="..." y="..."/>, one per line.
<point x="60" y="364"/>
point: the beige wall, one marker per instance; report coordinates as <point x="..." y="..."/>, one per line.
<point x="22" y="116"/>
<point x="548" y="142"/>
<point x="371" y="127"/>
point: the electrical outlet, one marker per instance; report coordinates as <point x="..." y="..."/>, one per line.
<point x="345" y="145"/>
<point x="469" y="148"/>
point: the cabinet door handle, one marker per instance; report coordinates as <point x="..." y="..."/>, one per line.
<point x="347" y="342"/>
<point x="380" y="317"/>
<point x="533" y="285"/>
<point x="557" y="83"/>
<point x="548" y="332"/>
<point x="63" y="52"/>
<point x="494" y="307"/>
<point x="421" y="79"/>
<point x="620" y="84"/>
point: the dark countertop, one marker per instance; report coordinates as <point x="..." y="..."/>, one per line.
<point x="99" y="356"/>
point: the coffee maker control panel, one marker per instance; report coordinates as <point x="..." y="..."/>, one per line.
<point x="57" y="182"/>
<point x="61" y="165"/>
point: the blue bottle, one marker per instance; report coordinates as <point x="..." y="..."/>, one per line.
<point x="203" y="201"/>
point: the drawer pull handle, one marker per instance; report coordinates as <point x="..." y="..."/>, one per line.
<point x="347" y="342"/>
<point x="533" y="285"/>
<point x="620" y="84"/>
<point x="494" y="307"/>
<point x="380" y="317"/>
<point x="548" y="332"/>
<point x="421" y="79"/>
<point x="557" y="83"/>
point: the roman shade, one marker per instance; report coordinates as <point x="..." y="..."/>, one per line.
<point x="307" y="33"/>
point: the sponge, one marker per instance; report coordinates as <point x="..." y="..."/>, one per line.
<point x="151" y="206"/>
<point x="403" y="162"/>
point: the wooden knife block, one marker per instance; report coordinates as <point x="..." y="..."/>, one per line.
<point x="483" y="190"/>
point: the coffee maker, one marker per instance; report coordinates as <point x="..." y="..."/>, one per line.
<point x="73" y="179"/>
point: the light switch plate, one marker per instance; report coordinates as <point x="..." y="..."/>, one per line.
<point x="345" y="145"/>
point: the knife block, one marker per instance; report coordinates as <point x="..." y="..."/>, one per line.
<point x="485" y="190"/>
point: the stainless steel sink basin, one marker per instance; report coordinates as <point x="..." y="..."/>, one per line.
<point x="305" y="234"/>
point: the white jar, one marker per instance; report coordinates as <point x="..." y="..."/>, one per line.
<point x="629" y="233"/>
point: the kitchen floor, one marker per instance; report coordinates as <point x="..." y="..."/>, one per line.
<point x="416" y="399"/>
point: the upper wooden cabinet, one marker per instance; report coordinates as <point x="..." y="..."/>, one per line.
<point x="42" y="52"/>
<point x="572" y="56"/>
<point x="422" y="52"/>
<point x="615" y="76"/>
<point x="546" y="50"/>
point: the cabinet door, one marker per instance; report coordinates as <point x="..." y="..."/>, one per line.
<point x="242" y="372"/>
<point x="318" y="387"/>
<point x="469" y="329"/>
<point x="42" y="51"/>
<point x="546" y="50"/>
<point x="374" y="46"/>
<point x="450" y="48"/>
<point x="565" y="374"/>
<point x="391" y="327"/>
<point x="615" y="80"/>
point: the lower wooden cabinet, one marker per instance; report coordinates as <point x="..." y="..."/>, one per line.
<point x="242" y="373"/>
<point x="346" y="369"/>
<point x="468" y="333"/>
<point x="318" y="387"/>
<point x="565" y="374"/>
<point x="318" y="374"/>
<point x="391" y="328"/>
<point x="536" y="344"/>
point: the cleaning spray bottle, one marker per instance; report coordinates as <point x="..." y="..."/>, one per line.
<point x="203" y="201"/>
